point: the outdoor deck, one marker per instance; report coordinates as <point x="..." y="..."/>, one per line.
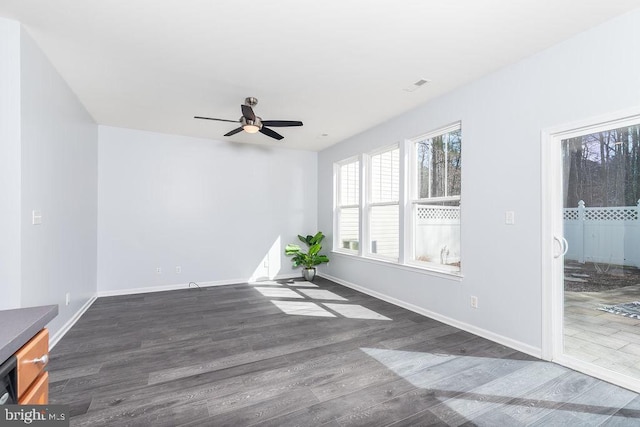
<point x="604" y="339"/>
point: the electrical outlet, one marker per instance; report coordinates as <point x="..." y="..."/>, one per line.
<point x="474" y="302"/>
<point x="178" y="269"/>
<point x="67" y="298"/>
<point x="159" y="270"/>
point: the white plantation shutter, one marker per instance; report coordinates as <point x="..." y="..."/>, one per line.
<point x="383" y="207"/>
<point x="348" y="205"/>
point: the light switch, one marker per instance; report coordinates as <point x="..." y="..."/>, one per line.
<point x="36" y="217"/>
<point x="509" y="217"/>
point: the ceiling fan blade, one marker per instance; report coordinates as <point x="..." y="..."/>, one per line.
<point x="271" y="133"/>
<point x="233" y="132"/>
<point x="218" y="120"/>
<point x="248" y="113"/>
<point x="281" y="123"/>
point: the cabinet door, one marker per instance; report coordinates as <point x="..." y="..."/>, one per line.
<point x="31" y="360"/>
<point x="38" y="394"/>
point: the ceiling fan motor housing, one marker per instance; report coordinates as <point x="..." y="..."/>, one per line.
<point x="251" y="101"/>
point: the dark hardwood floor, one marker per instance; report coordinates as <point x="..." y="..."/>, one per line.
<point x="283" y="354"/>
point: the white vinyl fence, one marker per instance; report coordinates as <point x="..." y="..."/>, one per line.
<point x="603" y="235"/>
<point x="438" y="234"/>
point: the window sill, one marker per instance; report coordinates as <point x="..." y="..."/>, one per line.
<point x="408" y="267"/>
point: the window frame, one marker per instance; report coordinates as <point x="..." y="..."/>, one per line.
<point x="413" y="201"/>
<point x="337" y="241"/>
<point x="369" y="204"/>
<point x="407" y="203"/>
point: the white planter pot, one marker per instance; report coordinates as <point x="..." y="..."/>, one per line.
<point x="309" y="274"/>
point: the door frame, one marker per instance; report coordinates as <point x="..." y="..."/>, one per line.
<point x="552" y="272"/>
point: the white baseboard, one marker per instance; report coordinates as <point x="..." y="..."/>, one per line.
<point x="177" y="286"/>
<point x="65" y="328"/>
<point x="516" y="345"/>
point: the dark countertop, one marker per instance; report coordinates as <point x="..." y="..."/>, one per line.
<point x="19" y="325"/>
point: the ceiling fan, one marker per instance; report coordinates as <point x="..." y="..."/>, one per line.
<point x="251" y="123"/>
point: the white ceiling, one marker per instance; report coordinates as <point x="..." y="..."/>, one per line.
<point x="340" y="66"/>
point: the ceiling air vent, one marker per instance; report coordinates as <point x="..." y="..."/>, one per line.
<point x="416" y="85"/>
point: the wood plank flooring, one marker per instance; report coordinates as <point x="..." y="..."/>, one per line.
<point x="286" y="354"/>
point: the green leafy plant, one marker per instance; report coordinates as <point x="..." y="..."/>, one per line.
<point x="312" y="256"/>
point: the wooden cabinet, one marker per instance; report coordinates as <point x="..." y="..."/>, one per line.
<point x="33" y="380"/>
<point x="38" y="393"/>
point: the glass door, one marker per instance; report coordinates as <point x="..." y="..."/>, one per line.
<point x="598" y="251"/>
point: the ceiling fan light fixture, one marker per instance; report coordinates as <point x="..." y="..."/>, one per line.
<point x="250" y="128"/>
<point x="251" y="123"/>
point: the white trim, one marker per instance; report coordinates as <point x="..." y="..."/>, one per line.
<point x="435" y="267"/>
<point x="437" y="132"/>
<point x="384" y="149"/>
<point x="602" y="373"/>
<point x="552" y="290"/>
<point x="432" y="200"/>
<point x="387" y="259"/>
<point x="546" y="233"/>
<point x="345" y="251"/>
<point x="443" y="274"/>
<point x="373" y="205"/>
<point x="335" y="216"/>
<point x="65" y="328"/>
<point x="177" y="286"/>
<point x="594" y="124"/>
<point x="551" y="225"/>
<point x="351" y="159"/>
<point x="363" y="218"/>
<point x="511" y="343"/>
<point x="403" y="220"/>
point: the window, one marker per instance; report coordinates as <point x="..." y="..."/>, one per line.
<point x="383" y="203"/>
<point x="436" y="199"/>
<point x="348" y="206"/>
<point x="407" y="208"/>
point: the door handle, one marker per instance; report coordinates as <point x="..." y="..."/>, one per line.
<point x="564" y="246"/>
<point x="557" y="255"/>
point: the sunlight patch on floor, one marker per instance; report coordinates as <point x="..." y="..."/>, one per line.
<point x="322" y="294"/>
<point x="265" y="283"/>
<point x="313" y="304"/>
<point x="354" y="311"/>
<point x="301" y="308"/>
<point x="278" y="293"/>
<point x="464" y="387"/>
<point x="302" y="284"/>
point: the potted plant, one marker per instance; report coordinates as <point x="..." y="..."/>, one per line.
<point x="309" y="259"/>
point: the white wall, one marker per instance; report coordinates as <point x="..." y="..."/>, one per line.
<point x="57" y="175"/>
<point x="502" y="117"/>
<point x="9" y="164"/>
<point x="216" y="209"/>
